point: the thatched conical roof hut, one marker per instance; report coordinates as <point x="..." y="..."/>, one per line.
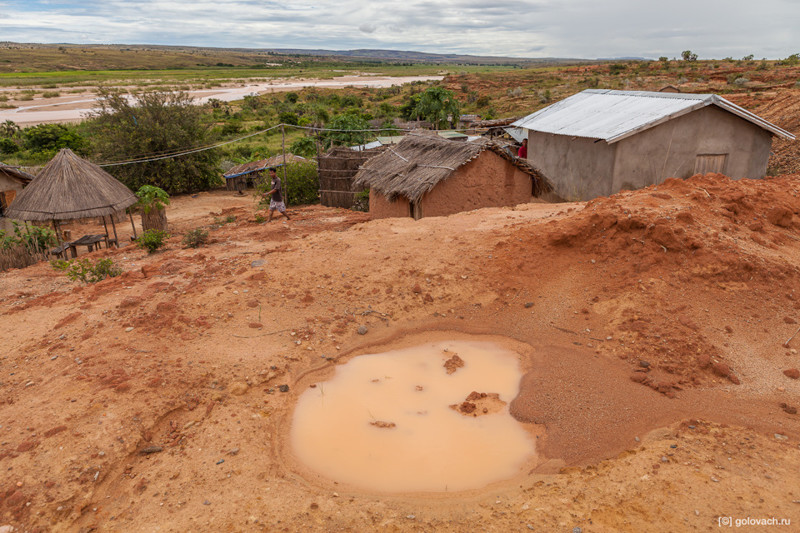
<point x="69" y="187"/>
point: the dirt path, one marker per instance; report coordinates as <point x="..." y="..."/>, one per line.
<point x="653" y="321"/>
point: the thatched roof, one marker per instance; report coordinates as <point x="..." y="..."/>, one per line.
<point x="69" y="187"/>
<point x="419" y="162"/>
<point x="15" y="173"/>
<point x="261" y="165"/>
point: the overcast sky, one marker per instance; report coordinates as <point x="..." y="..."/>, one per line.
<point x="523" y="28"/>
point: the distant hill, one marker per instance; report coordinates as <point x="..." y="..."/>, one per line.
<point x="422" y="57"/>
<point x="35" y="57"/>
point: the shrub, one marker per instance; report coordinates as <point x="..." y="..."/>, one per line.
<point x="151" y="197"/>
<point x="361" y="201"/>
<point x="35" y="238"/>
<point x="7" y="146"/>
<point x="86" y="271"/>
<point x="300" y="187"/>
<point x="152" y="239"/>
<point x="195" y="238"/>
<point x="304" y="146"/>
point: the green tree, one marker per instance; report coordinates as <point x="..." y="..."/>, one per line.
<point x="688" y="55"/>
<point x="8" y="128"/>
<point x="51" y="137"/>
<point x="346" y="130"/>
<point x="152" y="124"/>
<point x="438" y="106"/>
<point x="304" y="146"/>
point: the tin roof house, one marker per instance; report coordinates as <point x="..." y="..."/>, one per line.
<point x="598" y="142"/>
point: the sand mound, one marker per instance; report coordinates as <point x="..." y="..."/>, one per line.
<point x="709" y="232"/>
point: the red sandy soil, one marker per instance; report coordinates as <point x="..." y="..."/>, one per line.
<point x="654" y="384"/>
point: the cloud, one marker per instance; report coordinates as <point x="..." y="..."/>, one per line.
<point x="554" y="28"/>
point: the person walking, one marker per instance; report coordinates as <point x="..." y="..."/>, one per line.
<point x="275" y="195"/>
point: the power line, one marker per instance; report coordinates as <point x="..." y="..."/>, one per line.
<point x="210" y="147"/>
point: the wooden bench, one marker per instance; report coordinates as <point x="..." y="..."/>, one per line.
<point x="58" y="251"/>
<point x="92" y="242"/>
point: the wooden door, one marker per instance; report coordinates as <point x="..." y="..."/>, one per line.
<point x="706" y="163"/>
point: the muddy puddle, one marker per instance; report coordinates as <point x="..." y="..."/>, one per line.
<point x="429" y="418"/>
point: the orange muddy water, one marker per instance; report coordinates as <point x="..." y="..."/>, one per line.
<point x="404" y="421"/>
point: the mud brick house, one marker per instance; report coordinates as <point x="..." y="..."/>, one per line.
<point x="598" y="142"/>
<point x="425" y="175"/>
<point x="12" y="181"/>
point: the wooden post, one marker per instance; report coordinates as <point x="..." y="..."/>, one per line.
<point x="130" y="214"/>
<point x="105" y="225"/>
<point x="283" y="148"/>
<point x="316" y="144"/>
<point x="114" y="226"/>
<point x="55" y="228"/>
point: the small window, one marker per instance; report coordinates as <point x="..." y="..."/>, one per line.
<point x="706" y="163"/>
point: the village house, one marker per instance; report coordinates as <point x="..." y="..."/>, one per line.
<point x="12" y="181"/>
<point x="425" y="175"/>
<point x="598" y="142"/>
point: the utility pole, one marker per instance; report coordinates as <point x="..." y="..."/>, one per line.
<point x="283" y="149"/>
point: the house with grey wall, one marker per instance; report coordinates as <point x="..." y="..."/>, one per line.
<point x="598" y="142"/>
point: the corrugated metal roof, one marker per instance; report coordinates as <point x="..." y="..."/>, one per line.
<point x="615" y="115"/>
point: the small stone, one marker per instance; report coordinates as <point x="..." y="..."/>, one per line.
<point x="636" y="439"/>
<point x="576" y="529"/>
<point x="644" y="364"/>
<point x="238" y="388"/>
<point x="30" y="384"/>
<point x="362" y="330"/>
<point x="778" y="436"/>
<point x="54" y="358"/>
<point x="792" y="373"/>
<point x="715" y="480"/>
<point x="283" y="388"/>
<point x="691" y="427"/>
<point x="257" y="263"/>
<point x="206" y="502"/>
<point x="129" y="329"/>
<point x="233" y="451"/>
<point x="530" y="527"/>
<point x="528" y="305"/>
<point x="664" y="459"/>
<point x="411" y="517"/>
<point x="335" y="494"/>
<point x="220" y="461"/>
<point x="673" y="446"/>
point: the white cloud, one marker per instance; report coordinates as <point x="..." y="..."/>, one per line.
<point x="529" y="28"/>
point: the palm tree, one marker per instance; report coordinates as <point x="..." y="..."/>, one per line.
<point x="8" y="128"/>
<point x="438" y="106"/>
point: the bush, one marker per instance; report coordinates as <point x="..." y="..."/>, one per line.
<point x="304" y="146"/>
<point x="300" y="187"/>
<point x="35" y="238"/>
<point x="151" y="197"/>
<point x="152" y="239"/>
<point x="86" y="271"/>
<point x="7" y="146"/>
<point x="361" y="201"/>
<point x="50" y="137"/>
<point x="195" y="238"/>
